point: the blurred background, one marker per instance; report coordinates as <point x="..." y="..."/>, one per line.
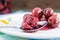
<point x="30" y="4"/>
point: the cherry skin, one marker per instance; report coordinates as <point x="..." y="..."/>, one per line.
<point x="48" y="12"/>
<point x="30" y="21"/>
<point x="26" y="26"/>
<point x="1" y="6"/>
<point x="37" y="12"/>
<point x="53" y="21"/>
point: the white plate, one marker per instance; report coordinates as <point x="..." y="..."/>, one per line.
<point x="53" y="33"/>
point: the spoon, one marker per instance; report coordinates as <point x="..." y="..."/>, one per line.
<point x="43" y="23"/>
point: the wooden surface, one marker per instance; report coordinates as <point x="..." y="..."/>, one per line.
<point x="30" y="4"/>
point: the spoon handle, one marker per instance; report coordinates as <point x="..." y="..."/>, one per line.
<point x="43" y="26"/>
<point x="8" y="27"/>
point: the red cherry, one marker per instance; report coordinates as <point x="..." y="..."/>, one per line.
<point x="26" y="26"/>
<point x="53" y="20"/>
<point x="48" y="12"/>
<point x="1" y="6"/>
<point x="34" y="21"/>
<point x="27" y="17"/>
<point x="31" y="20"/>
<point x="36" y="11"/>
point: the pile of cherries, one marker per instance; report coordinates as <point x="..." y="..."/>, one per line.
<point x="30" y="21"/>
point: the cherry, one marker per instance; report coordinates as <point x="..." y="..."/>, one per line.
<point x="30" y="20"/>
<point x="37" y="12"/>
<point x="48" y="12"/>
<point x="26" y="26"/>
<point x="26" y="17"/>
<point x="1" y="6"/>
<point x="34" y="21"/>
<point x="53" y="20"/>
